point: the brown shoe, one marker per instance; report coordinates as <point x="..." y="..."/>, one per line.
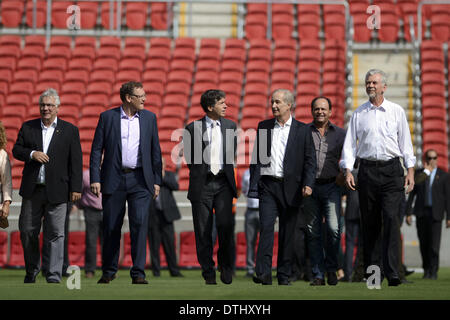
<point x="104" y="279"/>
<point x="89" y="274"/>
<point x="139" y="281"/>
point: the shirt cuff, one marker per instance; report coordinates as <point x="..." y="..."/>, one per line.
<point x="427" y="172"/>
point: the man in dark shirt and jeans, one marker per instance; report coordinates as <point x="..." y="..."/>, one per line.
<point x="325" y="201"/>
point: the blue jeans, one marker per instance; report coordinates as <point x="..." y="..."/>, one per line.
<point x="325" y="202"/>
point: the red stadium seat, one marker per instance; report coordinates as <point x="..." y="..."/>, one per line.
<point x="89" y="14"/>
<point x="158" y="16"/>
<point x="11" y="13"/>
<point x="41" y="13"/>
<point x="76" y="247"/>
<point x="160" y="43"/>
<point x="188" y="252"/>
<point x="136" y="15"/>
<point x="362" y="33"/>
<point x="208" y="65"/>
<point x="59" y="13"/>
<point x="135" y="42"/>
<point x="440" y="26"/>
<point x="15" y="251"/>
<point x="3" y="248"/>
<point x="255" y="26"/>
<point x="84" y="52"/>
<point x="157" y="64"/>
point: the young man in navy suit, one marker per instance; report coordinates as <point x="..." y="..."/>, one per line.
<point x="130" y="173"/>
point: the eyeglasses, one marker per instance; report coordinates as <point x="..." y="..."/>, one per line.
<point x="139" y="96"/>
<point x="50" y="105"/>
<point x="432" y="158"/>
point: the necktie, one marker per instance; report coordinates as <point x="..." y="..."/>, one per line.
<point x="215" y="148"/>
<point x="428" y="192"/>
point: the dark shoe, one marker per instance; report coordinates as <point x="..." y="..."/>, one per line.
<point x="226" y="277"/>
<point x="89" y="274"/>
<point x="156" y="274"/>
<point x="433" y="276"/>
<point x="317" y="282"/>
<point x="104" y="279"/>
<point x="332" y="279"/>
<point x="394" y="282"/>
<point x="139" y="281"/>
<point x="408" y="272"/>
<point x="52" y="281"/>
<point x="265" y="280"/>
<point x="210" y="281"/>
<point x="177" y="274"/>
<point x="407" y="281"/>
<point x="284" y="282"/>
<point x="29" y="279"/>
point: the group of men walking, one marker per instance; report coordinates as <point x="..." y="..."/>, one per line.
<point x="293" y="165"/>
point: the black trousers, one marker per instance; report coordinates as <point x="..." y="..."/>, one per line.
<point x="272" y="203"/>
<point x="429" y="234"/>
<point x="161" y="231"/>
<point x="381" y="186"/>
<point x="217" y="199"/>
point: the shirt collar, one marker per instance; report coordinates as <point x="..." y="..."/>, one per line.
<point x="210" y="121"/>
<point x="381" y="107"/>
<point x="288" y="123"/>
<point x="54" y="123"/>
<point x="123" y="115"/>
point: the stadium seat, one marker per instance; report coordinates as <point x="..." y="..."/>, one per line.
<point x="11" y="13"/>
<point x="188" y="252"/>
<point x="208" y="65"/>
<point x="233" y="54"/>
<point x="136" y="15"/>
<point x="182" y="64"/>
<point x="160" y="42"/>
<point x="89" y="14"/>
<point x="135" y="42"/>
<point x="440" y="26"/>
<point x="16" y="258"/>
<point x="3" y="248"/>
<point x="84" y="52"/>
<point x="59" y="13"/>
<point x="155" y="75"/>
<point x="158" y="15"/>
<point x="41" y="14"/>
<point x="157" y="64"/>
<point x="308" y="77"/>
<point x="255" y="26"/>
<point x="135" y="53"/>
<point x="334" y="26"/>
<point x="282" y="25"/>
<point x="77" y="248"/>
<point x="362" y="33"/>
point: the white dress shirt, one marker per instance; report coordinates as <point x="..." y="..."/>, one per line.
<point x="378" y="133"/>
<point x="47" y="134"/>
<point x="209" y="123"/>
<point x="280" y="135"/>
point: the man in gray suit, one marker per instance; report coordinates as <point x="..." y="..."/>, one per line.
<point x="52" y="176"/>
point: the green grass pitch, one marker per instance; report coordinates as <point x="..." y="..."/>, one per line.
<point x="192" y="287"/>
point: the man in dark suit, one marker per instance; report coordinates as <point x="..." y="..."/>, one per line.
<point x="209" y="150"/>
<point x="130" y="173"/>
<point x="52" y="176"/>
<point x="282" y="171"/>
<point x="160" y="226"/>
<point x="432" y="198"/>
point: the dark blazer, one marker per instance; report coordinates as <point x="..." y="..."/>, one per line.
<point x="440" y="194"/>
<point x="64" y="171"/>
<point x="194" y="147"/>
<point x="107" y="139"/>
<point x="299" y="164"/>
<point x="168" y="203"/>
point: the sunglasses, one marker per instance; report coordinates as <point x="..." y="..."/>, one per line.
<point x="431" y="158"/>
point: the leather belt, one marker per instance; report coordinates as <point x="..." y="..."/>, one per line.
<point x="378" y="163"/>
<point x="129" y="170"/>
<point x="325" y="181"/>
<point x="274" y="178"/>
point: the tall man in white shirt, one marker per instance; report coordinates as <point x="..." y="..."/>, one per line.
<point x="378" y="134"/>
<point x="282" y="172"/>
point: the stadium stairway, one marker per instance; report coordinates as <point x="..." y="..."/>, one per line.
<point x="209" y="20"/>
<point x="399" y="89"/>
